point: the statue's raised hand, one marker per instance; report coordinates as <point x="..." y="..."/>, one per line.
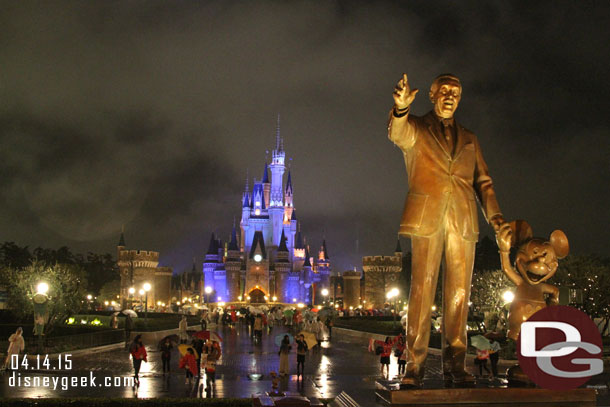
<point x="403" y="94"/>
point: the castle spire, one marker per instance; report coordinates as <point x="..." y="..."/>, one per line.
<point x="398" y="248"/>
<point x="278" y="142"/>
<point x="233" y="243"/>
<point x="307" y="263"/>
<point x="266" y="174"/>
<point x="324" y="250"/>
<point x="282" y="247"/>
<point x="289" y="183"/>
<point x="122" y="238"/>
<point x="213" y="248"/>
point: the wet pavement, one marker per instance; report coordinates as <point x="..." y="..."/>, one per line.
<point x="340" y="365"/>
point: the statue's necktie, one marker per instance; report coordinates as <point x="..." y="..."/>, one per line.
<point x="449" y="137"/>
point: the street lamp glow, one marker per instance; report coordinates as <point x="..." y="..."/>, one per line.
<point x="178" y="303"/>
<point x="113" y="302"/>
<point x="89" y="297"/>
<point x="274" y="299"/>
<point x="147" y="286"/>
<point x="106" y="302"/>
<point x="258" y="258"/>
<point x="266" y="298"/>
<point x="434" y="308"/>
<point x="132" y="290"/>
<point x="42" y="288"/>
<point x="208" y="290"/>
<point x="508" y="296"/>
<point x="325" y="292"/>
<point x="141" y="292"/>
<point x="239" y="298"/>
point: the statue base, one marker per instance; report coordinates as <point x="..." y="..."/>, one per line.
<point x="389" y="392"/>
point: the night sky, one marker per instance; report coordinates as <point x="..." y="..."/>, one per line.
<point x="148" y="114"/>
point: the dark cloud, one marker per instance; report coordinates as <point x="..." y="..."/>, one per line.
<point x="149" y="114"/>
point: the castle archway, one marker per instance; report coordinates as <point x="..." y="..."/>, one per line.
<point x="257" y="296"/>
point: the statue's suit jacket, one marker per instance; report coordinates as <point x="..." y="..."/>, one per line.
<point x="438" y="179"/>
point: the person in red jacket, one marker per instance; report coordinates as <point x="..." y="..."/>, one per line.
<point x="189" y="363"/>
<point x="384" y="357"/>
<point x="138" y="354"/>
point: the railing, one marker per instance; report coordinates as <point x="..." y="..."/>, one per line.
<point x="73" y="342"/>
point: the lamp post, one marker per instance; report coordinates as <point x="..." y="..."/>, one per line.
<point x="146" y="288"/>
<point x="131" y="292"/>
<point x="208" y="291"/>
<point x="325" y="295"/>
<point x="393" y="293"/>
<point x="41" y="300"/>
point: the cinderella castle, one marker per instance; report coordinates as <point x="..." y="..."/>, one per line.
<point x="267" y="260"/>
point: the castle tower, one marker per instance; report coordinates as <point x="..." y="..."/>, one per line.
<point x="210" y="263"/>
<point x="351" y="289"/>
<point x="282" y="270"/>
<point x="381" y="274"/>
<point x="257" y="270"/>
<point x="245" y="216"/>
<point x="276" y="205"/>
<point x="306" y="277"/>
<point x="233" y="268"/>
<point x="322" y="269"/>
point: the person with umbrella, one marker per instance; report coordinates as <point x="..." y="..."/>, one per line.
<point x="128" y="329"/>
<point x="138" y="354"/>
<point x="182" y="326"/>
<point x="258" y="328"/>
<point x="494" y="355"/>
<point x="16" y="345"/>
<point x="482" y="346"/>
<point x="284" y="352"/>
<point x="188" y="362"/>
<point x="329" y="326"/>
<point x="302" y="349"/>
<point x="166" y="352"/>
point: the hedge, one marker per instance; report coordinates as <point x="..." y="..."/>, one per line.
<point x="124" y="402"/>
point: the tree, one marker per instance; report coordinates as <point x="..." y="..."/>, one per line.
<point x="67" y="284"/>
<point x="487" y="289"/>
<point x="591" y="274"/>
<point x="110" y="290"/>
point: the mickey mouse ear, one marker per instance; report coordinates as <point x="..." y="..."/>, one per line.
<point x="560" y="243"/>
<point x="522" y="231"/>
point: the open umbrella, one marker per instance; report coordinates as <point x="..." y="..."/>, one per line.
<point x="310" y="338"/>
<point x="279" y="338"/>
<point x="183" y="349"/>
<point x="130" y="312"/>
<point x="480" y="342"/>
<point x="288" y="313"/>
<point x="174" y="340"/>
<point x="207" y="335"/>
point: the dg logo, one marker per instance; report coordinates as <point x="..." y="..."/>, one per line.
<point x="560" y="348"/>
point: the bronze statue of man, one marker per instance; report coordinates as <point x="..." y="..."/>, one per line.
<point x="446" y="174"/>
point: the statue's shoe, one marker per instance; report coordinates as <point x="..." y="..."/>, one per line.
<point x="459" y="379"/>
<point x="411" y="382"/>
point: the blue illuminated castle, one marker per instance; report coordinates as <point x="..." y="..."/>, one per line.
<point x="267" y="261"/>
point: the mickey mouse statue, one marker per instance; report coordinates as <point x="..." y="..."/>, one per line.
<point x="535" y="262"/>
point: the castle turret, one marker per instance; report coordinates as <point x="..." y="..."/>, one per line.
<point x="210" y="263"/>
<point x="282" y="269"/>
<point x="276" y="205"/>
<point x="233" y="268"/>
<point x="398" y="250"/>
<point x="288" y="203"/>
<point x="266" y="186"/>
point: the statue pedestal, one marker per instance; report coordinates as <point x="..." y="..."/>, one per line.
<point x="390" y="393"/>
